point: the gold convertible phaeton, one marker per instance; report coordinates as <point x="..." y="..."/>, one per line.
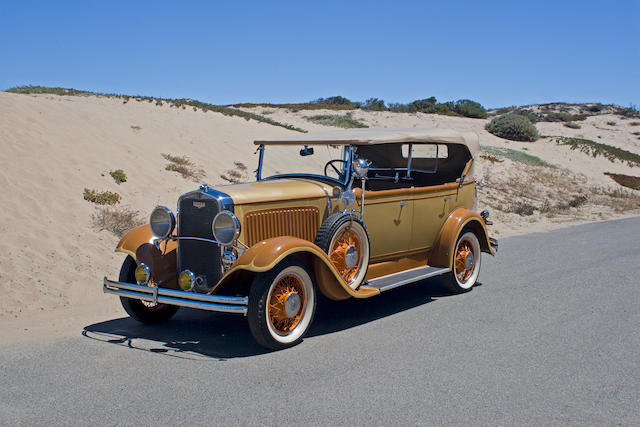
<point x="348" y="214"/>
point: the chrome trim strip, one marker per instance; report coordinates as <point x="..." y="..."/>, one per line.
<point x="419" y="273"/>
<point x="225" y="304"/>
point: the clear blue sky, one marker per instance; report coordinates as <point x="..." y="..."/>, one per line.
<point x="499" y="53"/>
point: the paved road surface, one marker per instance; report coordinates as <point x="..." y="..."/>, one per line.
<point x="551" y="336"/>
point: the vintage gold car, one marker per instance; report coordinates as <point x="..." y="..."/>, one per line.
<point x="348" y="214"/>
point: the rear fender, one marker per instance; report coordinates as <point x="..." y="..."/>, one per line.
<point x="267" y="254"/>
<point x="441" y="255"/>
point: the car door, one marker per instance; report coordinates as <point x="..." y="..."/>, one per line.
<point x="388" y="216"/>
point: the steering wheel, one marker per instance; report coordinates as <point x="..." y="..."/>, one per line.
<point x="339" y="172"/>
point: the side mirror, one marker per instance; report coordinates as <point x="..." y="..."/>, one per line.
<point x="306" y="151"/>
<point x="361" y="168"/>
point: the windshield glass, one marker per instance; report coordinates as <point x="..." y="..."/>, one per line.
<point x="324" y="161"/>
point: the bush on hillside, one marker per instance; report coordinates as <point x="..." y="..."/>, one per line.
<point x="526" y="113"/>
<point x="374" y="104"/>
<point x="333" y="100"/>
<point x="469" y="108"/>
<point x="514" y="127"/>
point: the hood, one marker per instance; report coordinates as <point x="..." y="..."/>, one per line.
<point x="275" y="190"/>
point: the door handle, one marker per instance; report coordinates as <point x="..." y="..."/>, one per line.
<point x="404" y="203"/>
<point x="447" y="198"/>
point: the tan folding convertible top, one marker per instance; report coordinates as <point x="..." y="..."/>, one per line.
<point x="381" y="136"/>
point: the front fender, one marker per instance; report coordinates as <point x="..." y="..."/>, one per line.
<point x="139" y="236"/>
<point x="265" y="255"/>
<point x="441" y="255"/>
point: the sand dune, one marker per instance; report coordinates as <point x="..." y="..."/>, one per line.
<point x="55" y="146"/>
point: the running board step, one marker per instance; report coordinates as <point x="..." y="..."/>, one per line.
<point x="395" y="280"/>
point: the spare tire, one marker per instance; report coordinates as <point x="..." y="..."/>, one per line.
<point x="345" y="240"/>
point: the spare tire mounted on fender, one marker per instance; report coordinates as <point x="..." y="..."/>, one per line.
<point x="345" y="240"/>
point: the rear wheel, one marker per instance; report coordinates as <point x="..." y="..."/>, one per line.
<point x="282" y="302"/>
<point x="142" y="311"/>
<point x="466" y="263"/>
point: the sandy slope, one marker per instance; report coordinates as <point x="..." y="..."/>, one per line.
<point x="54" y="146"/>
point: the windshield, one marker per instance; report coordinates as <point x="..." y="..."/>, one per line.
<point x="322" y="161"/>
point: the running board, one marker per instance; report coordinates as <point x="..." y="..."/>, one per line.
<point x="395" y="280"/>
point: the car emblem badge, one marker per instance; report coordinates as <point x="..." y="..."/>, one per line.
<point x="198" y="205"/>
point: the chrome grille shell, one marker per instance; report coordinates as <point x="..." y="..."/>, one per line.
<point x="196" y="211"/>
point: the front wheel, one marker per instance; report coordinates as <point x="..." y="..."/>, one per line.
<point x="466" y="263"/>
<point x="142" y="311"/>
<point x="282" y="302"/>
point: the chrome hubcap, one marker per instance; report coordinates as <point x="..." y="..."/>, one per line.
<point x="351" y="256"/>
<point x="292" y="305"/>
<point x="468" y="261"/>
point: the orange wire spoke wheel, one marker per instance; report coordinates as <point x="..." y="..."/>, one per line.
<point x="346" y="253"/>
<point x="286" y="304"/>
<point x="464" y="261"/>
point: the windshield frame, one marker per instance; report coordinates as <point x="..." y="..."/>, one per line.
<point x="347" y="155"/>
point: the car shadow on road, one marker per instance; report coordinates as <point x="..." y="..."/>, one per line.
<point x="196" y="334"/>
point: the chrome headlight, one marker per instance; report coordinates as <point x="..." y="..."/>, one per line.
<point x="226" y="228"/>
<point x="162" y="222"/>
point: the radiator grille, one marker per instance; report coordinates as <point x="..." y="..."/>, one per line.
<point x="296" y="222"/>
<point x="195" y="215"/>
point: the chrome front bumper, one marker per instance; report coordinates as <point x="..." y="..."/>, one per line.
<point x="157" y="295"/>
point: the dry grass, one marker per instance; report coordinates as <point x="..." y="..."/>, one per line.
<point x="117" y="221"/>
<point x="185" y="167"/>
<point x="572" y="125"/>
<point x="239" y="174"/>
<point x="492" y="159"/>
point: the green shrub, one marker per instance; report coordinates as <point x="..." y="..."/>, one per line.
<point x="333" y="100"/>
<point x="101" y="198"/>
<point x="596" y="149"/>
<point x="118" y="176"/>
<point x="530" y="115"/>
<point x="514" y="127"/>
<point x="402" y="108"/>
<point x="336" y="120"/>
<point x="469" y="108"/>
<point x="374" y="104"/>
<point x="611" y="123"/>
<point x="425" y="105"/>
<point x="516" y="156"/>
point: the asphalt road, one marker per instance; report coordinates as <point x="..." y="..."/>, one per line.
<point x="550" y="336"/>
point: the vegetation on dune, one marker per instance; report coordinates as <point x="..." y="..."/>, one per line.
<point x="239" y="174"/>
<point x="461" y="107"/>
<point x="494" y="154"/>
<point x="596" y="149"/>
<point x="628" y="181"/>
<point x="571" y="125"/>
<point x="101" y="197"/>
<point x="336" y="120"/>
<point x="117" y="221"/>
<point x="515" y="127"/>
<point x="118" y="176"/>
<point x="177" y="103"/>
<point x="184" y="166"/>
